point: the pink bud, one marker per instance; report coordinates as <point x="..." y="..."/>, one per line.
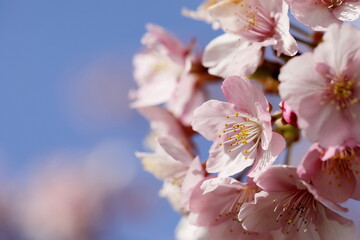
<point x="288" y="116"/>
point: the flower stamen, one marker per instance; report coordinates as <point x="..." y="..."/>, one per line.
<point x="343" y="164"/>
<point x="242" y="133"/>
<point x="296" y="210"/>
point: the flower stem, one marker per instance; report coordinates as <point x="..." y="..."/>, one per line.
<point x="288" y="154"/>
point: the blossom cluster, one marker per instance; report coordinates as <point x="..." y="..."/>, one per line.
<point x="238" y="192"/>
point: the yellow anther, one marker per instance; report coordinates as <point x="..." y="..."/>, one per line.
<point x="252" y="21"/>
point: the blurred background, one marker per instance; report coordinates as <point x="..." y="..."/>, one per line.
<point x="67" y="136"/>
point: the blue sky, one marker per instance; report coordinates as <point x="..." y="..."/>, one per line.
<point x="50" y="51"/>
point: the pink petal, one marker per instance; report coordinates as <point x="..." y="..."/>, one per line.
<point x="286" y="43"/>
<point x="186" y="98"/>
<point x="193" y="180"/>
<point x="266" y="134"/>
<point x="267" y="158"/>
<point x="164" y="123"/>
<point x="330" y="204"/>
<point x="315" y="16"/>
<point x="297" y="73"/>
<point x="198" y="97"/>
<point x="156" y="92"/>
<point x="243" y="94"/>
<point x="356" y="193"/>
<point x="279" y="178"/>
<point x="259" y="216"/>
<point x="308" y="167"/>
<point x="225" y="163"/>
<point x="228" y="55"/>
<point x="161" y="166"/>
<point x="194" y="176"/>
<point x="226" y="12"/>
<point x="210" y="117"/>
<point x="335" y="188"/>
<point x="157" y="38"/>
<point x="332" y="226"/>
<point x="322" y="130"/>
<point x="340" y="47"/>
<point x="176" y="150"/>
<point x="208" y="202"/>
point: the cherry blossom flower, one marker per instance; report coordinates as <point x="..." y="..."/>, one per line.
<point x="323" y="87"/>
<point x="319" y="14"/>
<point x="217" y="204"/>
<point x="334" y="172"/>
<point x="158" y="68"/>
<point x="240" y="129"/>
<point x="289" y="204"/>
<point x="257" y="21"/>
<point x="164" y="73"/>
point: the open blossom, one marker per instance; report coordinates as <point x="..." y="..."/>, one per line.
<point x="240" y="129"/>
<point x="257" y="21"/>
<point x="249" y="25"/>
<point x="217" y="204"/>
<point x="289" y="204"/>
<point x="334" y="172"/>
<point x="163" y="71"/>
<point x="319" y="14"/>
<point x="158" y="68"/>
<point x="323" y="87"/>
